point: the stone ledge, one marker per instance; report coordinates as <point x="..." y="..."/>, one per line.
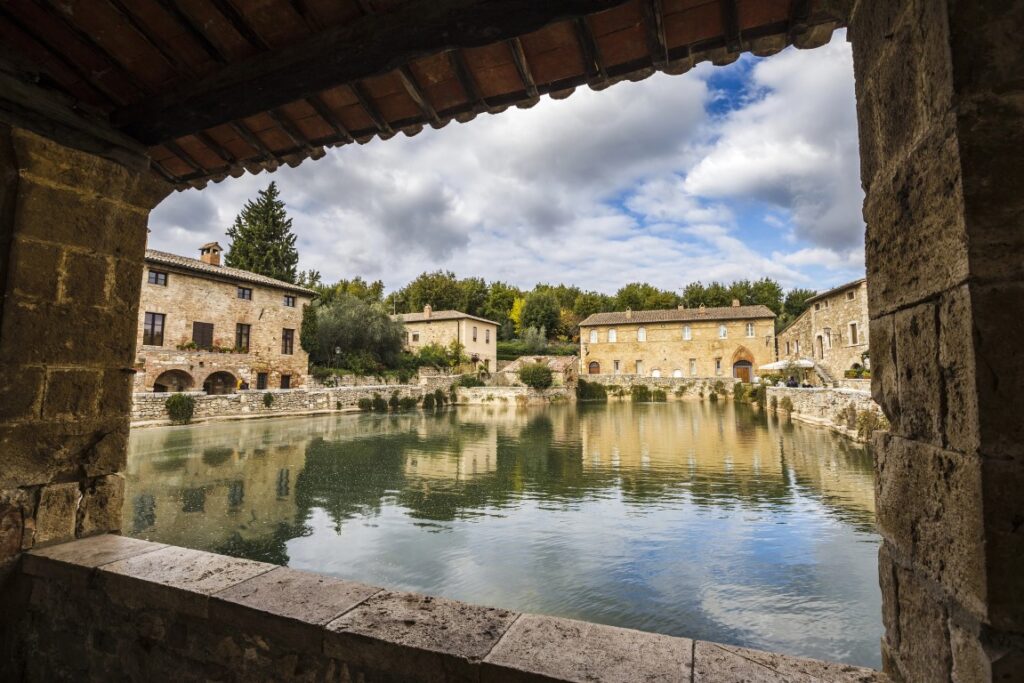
<point x="366" y="632"/>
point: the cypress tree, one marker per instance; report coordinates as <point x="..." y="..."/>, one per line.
<point x="262" y="239"/>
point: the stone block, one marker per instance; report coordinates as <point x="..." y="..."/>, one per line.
<point x="84" y="280"/>
<point x="959" y="371"/>
<point x="57" y="513"/>
<point x="1003" y="505"/>
<point x="715" y="663"/>
<point x="890" y="596"/>
<point x="920" y="390"/>
<point x="100" y="509"/>
<point x="95" y="337"/>
<point x="116" y="392"/>
<point x="107" y="450"/>
<point x="998" y="322"/>
<point x="34" y="268"/>
<point x="71" y="393"/>
<point x="405" y="636"/>
<point x="16" y="508"/>
<point x="21" y="389"/>
<point x="929" y="506"/>
<point x="548" y="648"/>
<point x="916" y="240"/>
<point x="175" y="578"/>
<point x="281" y="601"/>
<point x="924" y="652"/>
<point x="983" y="43"/>
<point x="969" y="661"/>
<point x="75" y="560"/>
<point x="885" y="368"/>
<point x="39" y="452"/>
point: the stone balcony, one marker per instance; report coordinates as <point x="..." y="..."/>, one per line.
<point x="114" y="607"/>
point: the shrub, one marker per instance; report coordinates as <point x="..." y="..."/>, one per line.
<point x="775" y="403"/>
<point x="268" y="400"/>
<point x="180" y="408"/>
<point x="739" y="392"/>
<point x="868" y="421"/>
<point x="659" y="396"/>
<point x="364" y="404"/>
<point x="439" y="398"/>
<point x="394" y="402"/>
<point x="469" y="381"/>
<point x="713" y="396"/>
<point x="407" y="402"/>
<point x="428" y="402"/>
<point x="640" y="393"/>
<point x="337" y="405"/>
<point x="379" y="404"/>
<point x="591" y="391"/>
<point x="786" y="404"/>
<point x="536" y="376"/>
<point x="719" y="387"/>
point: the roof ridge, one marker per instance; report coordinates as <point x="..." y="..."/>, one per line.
<point x="199" y="266"/>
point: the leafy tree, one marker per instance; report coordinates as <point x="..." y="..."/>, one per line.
<point x="370" y="292"/>
<point x="568" y="324"/>
<point x="516" y="314"/>
<point x="498" y="304"/>
<point x="474" y="295"/>
<point x="536" y="376"/>
<point x="308" y="336"/>
<point x="357" y="335"/>
<point x="796" y="302"/>
<point x="262" y="239"/>
<point x="541" y="310"/>
<point x="309" y="279"/>
<point x="641" y="296"/>
<point x="535" y="340"/>
<point x="440" y="289"/>
<point x="588" y="303"/>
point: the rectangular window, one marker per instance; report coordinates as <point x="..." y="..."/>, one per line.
<point x="415" y="336"/>
<point x="693" y="367"/>
<point x="723" y="332"/>
<point x="287" y="341"/>
<point x="817" y="307"/>
<point x="289" y="300"/>
<point x="687" y="333"/>
<point x="487" y="336"/>
<point x="797" y="347"/>
<point x="612" y="335"/>
<point x="787" y="348"/>
<point x="616" y="367"/>
<point x="261" y="380"/>
<point x="245" y="293"/>
<point x="853" y="333"/>
<point x="202" y="335"/>
<point x="153" y="329"/>
<point x="850" y="295"/>
<point x="718" y="366"/>
<point x="474" y="332"/>
<point x="750" y="329"/>
<point x="286" y="381"/>
<point x="157" y="277"/>
<point x="242" y="337"/>
<point x="639" y="367"/>
<point x="593" y="336"/>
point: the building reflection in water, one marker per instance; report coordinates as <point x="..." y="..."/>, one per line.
<point x="689" y="518"/>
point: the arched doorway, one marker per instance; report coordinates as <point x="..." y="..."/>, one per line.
<point x="173" y="380"/>
<point x="655" y="372"/>
<point x="677" y="373"/>
<point x="743" y="370"/>
<point x="820" y="341"/>
<point x="220" y="383"/>
<point x="594" y="368"/>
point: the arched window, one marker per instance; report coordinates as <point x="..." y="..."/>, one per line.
<point x="594" y="368"/>
<point x="641" y="334"/>
<point x="593" y="336"/>
<point x="612" y="335"/>
<point x="655" y="372"/>
<point x="677" y="373"/>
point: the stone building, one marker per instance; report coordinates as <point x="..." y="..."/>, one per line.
<point x="833" y="331"/>
<point x="729" y="341"/>
<point x="563" y="370"/>
<point x="478" y="336"/>
<point x="206" y="326"/>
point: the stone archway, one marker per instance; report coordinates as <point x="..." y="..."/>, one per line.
<point x="220" y="382"/>
<point x="594" y="368"/>
<point x="173" y="381"/>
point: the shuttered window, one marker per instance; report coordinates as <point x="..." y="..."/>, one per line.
<point x="153" y="329"/>
<point x="202" y="335"/>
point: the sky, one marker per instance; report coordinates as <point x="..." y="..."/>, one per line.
<point x="723" y="173"/>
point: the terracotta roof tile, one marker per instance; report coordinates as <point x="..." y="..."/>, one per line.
<point x="437" y="315"/>
<point x="195" y="265"/>
<point x="679" y="315"/>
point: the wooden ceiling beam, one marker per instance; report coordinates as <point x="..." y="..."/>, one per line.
<point x="162" y="48"/>
<point x="175" y="149"/>
<point x="372" y="45"/>
<point x="466" y="80"/>
<point x="366" y="102"/>
<point x="654" y="26"/>
<point x="731" y="22"/>
<point x="588" y="48"/>
<point x="241" y="26"/>
<point x="216" y="147"/>
<point x="194" y="30"/>
<point x="249" y="138"/>
<point x="290" y="129"/>
<point x="340" y="130"/>
<point x="523" y="67"/>
<point x="408" y="79"/>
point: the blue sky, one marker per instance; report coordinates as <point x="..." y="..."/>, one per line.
<point x="742" y="171"/>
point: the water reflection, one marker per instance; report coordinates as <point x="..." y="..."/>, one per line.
<point x="710" y="521"/>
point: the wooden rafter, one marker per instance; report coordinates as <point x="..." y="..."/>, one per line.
<point x="341" y="132"/>
<point x="249" y="138"/>
<point x="240" y="25"/>
<point x="731" y="22"/>
<point x="290" y="129"/>
<point x="588" y="48"/>
<point x="366" y="102"/>
<point x="194" y="30"/>
<point x="165" y="50"/>
<point x="372" y="45"/>
<point x="412" y="87"/>
<point x="216" y="147"/>
<point x="466" y="80"/>
<point x="175" y="149"/>
<point x="523" y="67"/>
<point x="654" y="27"/>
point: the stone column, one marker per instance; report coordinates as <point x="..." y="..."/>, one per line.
<point x="72" y="241"/>
<point x="940" y="103"/>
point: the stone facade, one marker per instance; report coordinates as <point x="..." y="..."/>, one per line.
<point x="513" y="395"/>
<point x="674" y="387"/>
<point x="187" y="291"/>
<point x="833" y="331"/>
<point x="655" y="343"/>
<point x="840" y="410"/>
<point x="478" y="336"/>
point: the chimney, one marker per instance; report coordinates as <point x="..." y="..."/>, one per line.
<point x="210" y="253"/>
<point x="682" y="307"/>
<point x="735" y="303"/>
<point x="427" y="310"/>
<point x="629" y="314"/>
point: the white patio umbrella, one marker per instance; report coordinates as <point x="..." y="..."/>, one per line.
<point x="785" y="364"/>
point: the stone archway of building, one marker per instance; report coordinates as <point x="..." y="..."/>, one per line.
<point x="172" y="381"/>
<point x="743" y="370"/>
<point x="221" y="382"/>
<point x="656" y="372"/>
<point x="594" y="368"/>
<point x="677" y="373"/>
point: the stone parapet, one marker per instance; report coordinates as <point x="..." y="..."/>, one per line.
<point x="674" y="387"/>
<point x="840" y="410"/>
<point x="110" y="606"/>
<point x="517" y="395"/>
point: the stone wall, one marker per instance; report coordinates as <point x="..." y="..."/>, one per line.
<point x="519" y="395"/>
<point x="151" y="407"/>
<point x="72" y="240"/>
<point x="692" y="387"/>
<point x="857" y="384"/>
<point x="829" y="408"/>
<point x="119" y="608"/>
<point x="828" y="319"/>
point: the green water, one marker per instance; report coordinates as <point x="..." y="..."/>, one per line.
<point x="699" y="520"/>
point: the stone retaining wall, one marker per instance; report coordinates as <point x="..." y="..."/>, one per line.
<point x="692" y="387"/>
<point x="151" y="406"/>
<point x="829" y="407"/>
<point x="514" y="394"/>
<point x="110" y="607"/>
<point x="858" y="384"/>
